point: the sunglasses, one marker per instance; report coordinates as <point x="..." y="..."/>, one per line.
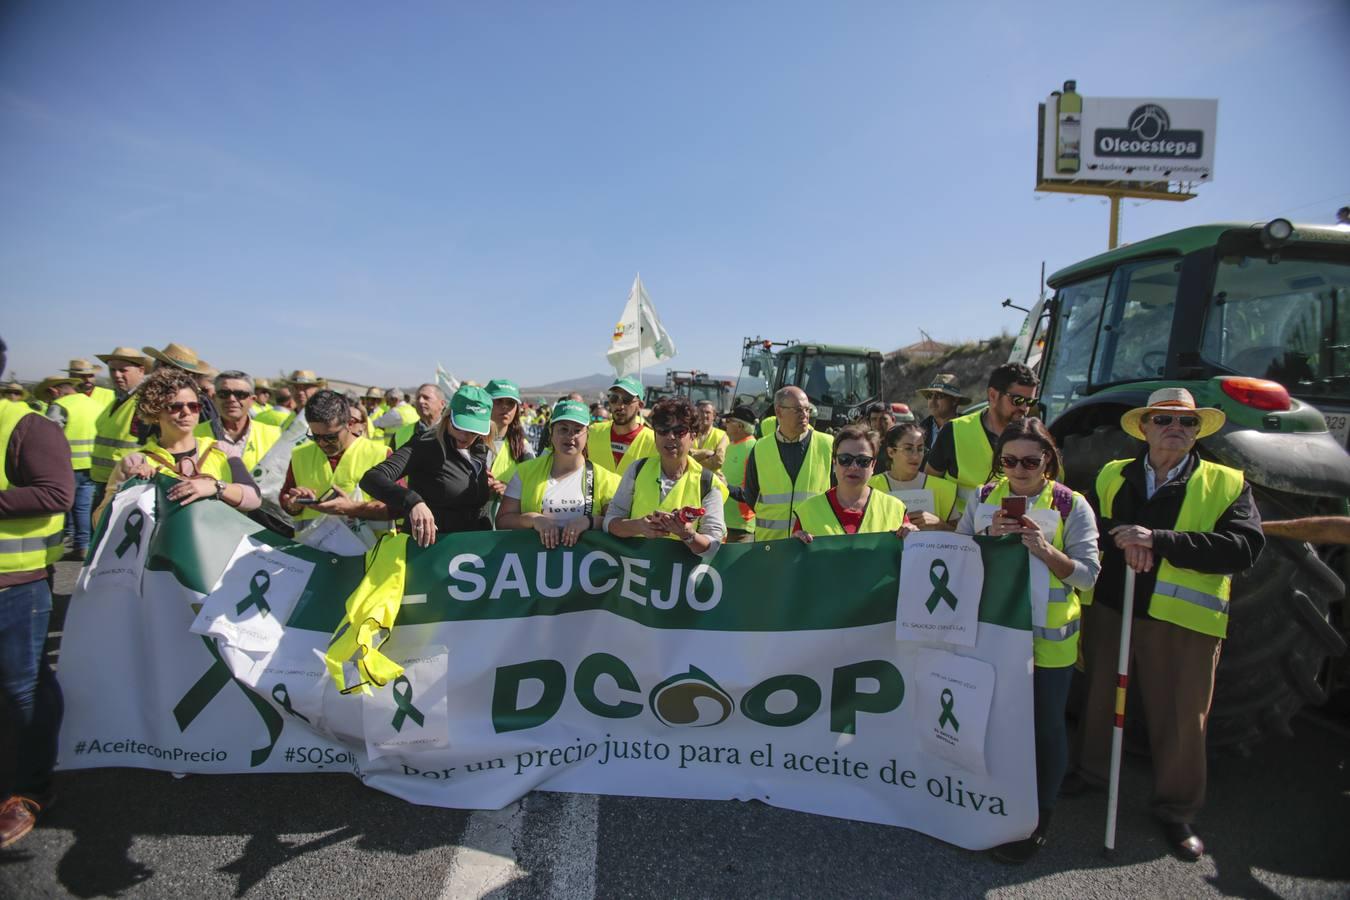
<point x="858" y="460"/>
<point x="1030" y="463"/>
<point x="326" y="438"/>
<point x="238" y="395"/>
<point x="1017" y="400"/>
<point x="621" y="399"/>
<point x="191" y="406"/>
<point x="1162" y="420"/>
<point x="678" y="431"/>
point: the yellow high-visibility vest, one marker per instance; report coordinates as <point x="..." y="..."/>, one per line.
<point x="1185" y="597"/>
<point x="29" y="542"/>
<point x="778" y="495"/>
<point x="81" y="428"/>
<point x="738" y="515"/>
<point x="261" y="437"/>
<point x="601" y="452"/>
<point x="974" y="457"/>
<point x="211" y="460"/>
<point x="113" y="438"/>
<point x="1054" y="641"/>
<point x="535" y="473"/>
<point x="942" y="491"/>
<point x="311" y="469"/>
<point x="688" y="491"/>
<point x="883" y="513"/>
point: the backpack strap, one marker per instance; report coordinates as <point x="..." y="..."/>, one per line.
<point x="705" y="482"/>
<point x="1061" y="498"/>
<point x="988" y="489"/>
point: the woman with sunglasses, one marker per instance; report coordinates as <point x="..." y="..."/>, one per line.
<point x="654" y="491"/>
<point x="852" y="506"/>
<point x="930" y="502"/>
<point x="1058" y="527"/>
<point x="169" y="400"/>
<point x="561" y="494"/>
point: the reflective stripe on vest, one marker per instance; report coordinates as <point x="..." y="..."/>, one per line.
<point x="27" y="543"/>
<point x="1185" y="597"/>
<point x="310" y="467"/>
<point x="113" y="439"/>
<point x="778" y="494"/>
<point x="883" y="513"/>
<point x="738" y="515"/>
<point x="81" y="416"/>
<point x="1055" y="641"/>
<point x="974" y="457"/>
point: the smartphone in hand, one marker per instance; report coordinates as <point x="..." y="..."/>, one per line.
<point x="1015" y="507"/>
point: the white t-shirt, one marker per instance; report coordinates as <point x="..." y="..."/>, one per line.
<point x="564" y="498"/>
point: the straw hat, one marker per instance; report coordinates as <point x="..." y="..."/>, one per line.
<point x="51" y="381"/>
<point x="11" y="384"/>
<point x="373" y="393"/>
<point x="262" y="384"/>
<point x="1177" y="401"/>
<point x="305" y="378"/>
<point x="180" y="357"/>
<point x="945" y="384"/>
<point x="82" y="367"/>
<point x="126" y="354"/>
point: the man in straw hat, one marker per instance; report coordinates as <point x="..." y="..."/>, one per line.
<point x="302" y="384"/>
<point x="262" y="396"/>
<point x="1185" y="526"/>
<point x="944" y="398"/>
<point x="118" y="430"/>
<point x="86" y="372"/>
<point x="372" y="401"/>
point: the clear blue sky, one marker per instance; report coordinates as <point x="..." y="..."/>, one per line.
<point x="364" y="189"/>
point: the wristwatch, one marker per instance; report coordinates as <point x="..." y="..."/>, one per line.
<point x="220" y="489"/>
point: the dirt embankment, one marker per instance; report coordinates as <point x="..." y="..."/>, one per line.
<point x="971" y="363"/>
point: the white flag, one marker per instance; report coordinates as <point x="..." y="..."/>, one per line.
<point x="639" y="332"/>
<point x="448" y="383"/>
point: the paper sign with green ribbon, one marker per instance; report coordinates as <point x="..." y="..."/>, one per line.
<point x="940" y="590"/>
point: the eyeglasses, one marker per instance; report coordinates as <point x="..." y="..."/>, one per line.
<point x="326" y="438"/>
<point x="910" y="448"/>
<point x="238" y="395"/>
<point x="191" y="406"/>
<point x="1162" y="420"/>
<point x="621" y="399"/>
<point x="1018" y="400"/>
<point x="858" y="460"/>
<point x="804" y="410"/>
<point x="678" y="431"/>
<point x="1030" y="463"/>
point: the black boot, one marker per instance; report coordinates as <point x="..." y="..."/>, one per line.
<point x="1015" y="853"/>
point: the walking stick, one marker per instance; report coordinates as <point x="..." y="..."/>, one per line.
<point x="1118" y="732"/>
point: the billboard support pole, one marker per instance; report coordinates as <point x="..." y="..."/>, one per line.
<point x="1113" y="233"/>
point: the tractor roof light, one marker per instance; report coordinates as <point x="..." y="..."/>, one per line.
<point x="1276" y="233"/>
<point x="1258" y="393"/>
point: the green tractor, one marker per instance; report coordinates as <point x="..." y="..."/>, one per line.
<point x="1254" y="320"/>
<point x="839" y="381"/>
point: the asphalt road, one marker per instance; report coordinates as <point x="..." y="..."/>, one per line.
<point x="1277" y="825"/>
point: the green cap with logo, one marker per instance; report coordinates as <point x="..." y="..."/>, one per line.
<point x="628" y="384"/>
<point x="571" y="411"/>
<point x="471" y="410"/>
<point x="503" y="389"/>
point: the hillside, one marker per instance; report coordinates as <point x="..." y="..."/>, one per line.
<point x="971" y="363"/>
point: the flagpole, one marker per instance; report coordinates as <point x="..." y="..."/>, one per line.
<point x="640" y="384"/>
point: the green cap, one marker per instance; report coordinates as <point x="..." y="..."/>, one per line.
<point x="502" y="389"/>
<point x="571" y="411"/>
<point x="471" y="410"/>
<point x="629" y="384"/>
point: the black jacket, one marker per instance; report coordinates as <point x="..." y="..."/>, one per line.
<point x="1232" y="547"/>
<point x="454" y="488"/>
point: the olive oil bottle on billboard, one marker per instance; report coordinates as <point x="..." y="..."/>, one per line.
<point x="1069" y="130"/>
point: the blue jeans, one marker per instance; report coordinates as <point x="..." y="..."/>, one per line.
<point x="77" y="520"/>
<point x="1050" y="695"/>
<point x="32" y="699"/>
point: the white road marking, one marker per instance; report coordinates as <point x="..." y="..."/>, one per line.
<point x="574" y="848"/>
<point x="485" y="860"/>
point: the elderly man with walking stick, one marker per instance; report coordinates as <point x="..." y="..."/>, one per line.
<point x="1184" y="526"/>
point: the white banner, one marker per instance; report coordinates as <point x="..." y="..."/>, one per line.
<point x="1130" y="139"/>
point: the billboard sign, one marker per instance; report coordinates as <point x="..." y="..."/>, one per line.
<point x="1103" y="139"/>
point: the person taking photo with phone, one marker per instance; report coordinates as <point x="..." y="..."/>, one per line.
<point x="325" y="473"/>
<point x="1058" y="527"/>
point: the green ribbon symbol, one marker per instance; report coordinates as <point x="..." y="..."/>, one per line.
<point x="200" y="695"/>
<point x="283" y="696"/>
<point x="403" y="698"/>
<point x="947" y="716"/>
<point x="131" y="532"/>
<point x="939" y="581"/>
<point x="257" y="594"/>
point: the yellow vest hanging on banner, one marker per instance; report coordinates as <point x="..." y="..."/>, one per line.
<point x="370" y="614"/>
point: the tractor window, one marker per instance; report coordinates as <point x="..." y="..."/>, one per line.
<point x="1137" y="323"/>
<point x="1079" y="306"/>
<point x="1288" y="321"/>
<point x="837" y="380"/>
